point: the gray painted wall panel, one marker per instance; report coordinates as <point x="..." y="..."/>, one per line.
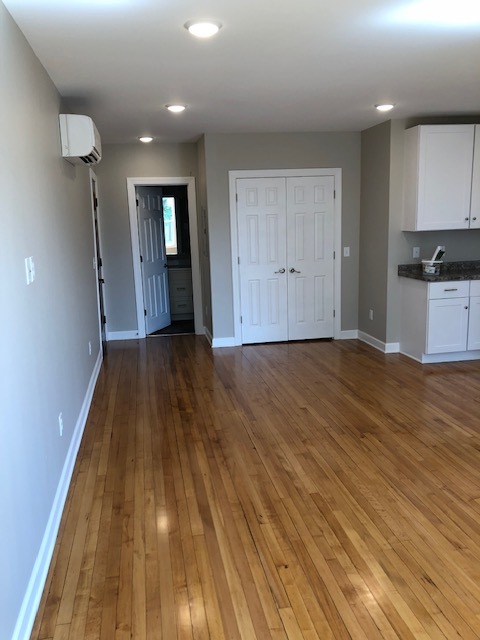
<point x="119" y="162"/>
<point x="46" y="326"/>
<point x="230" y="152"/>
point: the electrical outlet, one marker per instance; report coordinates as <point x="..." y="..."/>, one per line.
<point x="346" y="252"/>
<point x="60" y="423"/>
<point x="416" y="252"/>
<point x="370" y="314"/>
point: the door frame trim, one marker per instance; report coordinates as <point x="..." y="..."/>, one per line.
<point x="233" y="176"/>
<point x="97" y="249"/>
<point x="189" y="182"/>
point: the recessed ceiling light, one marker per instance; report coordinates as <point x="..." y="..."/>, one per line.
<point x="384" y="107"/>
<point x="145" y="138"/>
<point x="203" y="29"/>
<point x="176" y="108"/>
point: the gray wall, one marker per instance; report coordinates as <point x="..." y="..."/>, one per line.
<point x="46" y="326"/>
<point x="204" y="235"/>
<point x="228" y="152"/>
<point x="381" y="229"/>
<point x="119" y="162"/>
<point x="374" y="225"/>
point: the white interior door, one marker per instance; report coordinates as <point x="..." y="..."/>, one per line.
<point x="286" y="267"/>
<point x="154" y="258"/>
<point x="262" y="254"/>
<point x="310" y="242"/>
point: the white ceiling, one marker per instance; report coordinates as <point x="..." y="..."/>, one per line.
<point x="276" y="65"/>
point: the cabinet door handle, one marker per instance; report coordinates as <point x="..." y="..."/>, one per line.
<point x="474" y="218"/>
<point x="282" y="270"/>
<point x="467" y="219"/>
<point x="465" y="307"/>
<point x="292" y="270"/>
<point x="450" y="289"/>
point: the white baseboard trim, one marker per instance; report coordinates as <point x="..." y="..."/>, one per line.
<point x="351" y="334"/>
<point x="458" y="356"/>
<point x="36" y="584"/>
<point x="384" y="347"/>
<point x="122" y="335"/>
<point x="223" y="342"/>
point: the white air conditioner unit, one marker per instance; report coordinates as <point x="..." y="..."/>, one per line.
<point x="81" y="142"/>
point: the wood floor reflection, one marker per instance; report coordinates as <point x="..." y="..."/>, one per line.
<point x="288" y="491"/>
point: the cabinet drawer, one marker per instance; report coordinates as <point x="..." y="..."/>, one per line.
<point x="180" y="282"/>
<point x="452" y="289"/>
<point x="475" y="288"/>
<point x="181" y="289"/>
<point x="181" y="305"/>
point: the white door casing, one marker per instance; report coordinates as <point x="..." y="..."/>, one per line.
<point x="285" y="264"/>
<point x="154" y="259"/>
<point x="337" y="206"/>
<point x="189" y="182"/>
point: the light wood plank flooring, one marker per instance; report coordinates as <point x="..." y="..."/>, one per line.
<point x="290" y="491"/>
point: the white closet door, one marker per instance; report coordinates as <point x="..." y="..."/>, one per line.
<point x="261" y="211"/>
<point x="310" y="242"/>
<point x="286" y="268"/>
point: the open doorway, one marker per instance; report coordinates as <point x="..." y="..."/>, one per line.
<point x="165" y="257"/>
<point x="168" y="231"/>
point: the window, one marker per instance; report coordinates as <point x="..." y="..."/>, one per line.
<point x="170" y="225"/>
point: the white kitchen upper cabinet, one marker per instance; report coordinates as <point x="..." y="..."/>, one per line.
<point x="438" y="177"/>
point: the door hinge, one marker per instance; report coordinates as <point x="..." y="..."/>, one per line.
<point x="334" y="313"/>
<point x="236" y="197"/>
<point x="136" y="200"/>
<point x="334" y="194"/>
<point x="334" y="255"/>
<point x="95" y="202"/>
<point x="104" y="319"/>
<point x="238" y="260"/>
<point x="141" y="258"/>
<point x="241" y="320"/>
<point x="144" y="312"/>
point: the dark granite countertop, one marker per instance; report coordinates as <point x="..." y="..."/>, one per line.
<point x="469" y="270"/>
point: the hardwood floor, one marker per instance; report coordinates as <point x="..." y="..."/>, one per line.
<point x="288" y="491"/>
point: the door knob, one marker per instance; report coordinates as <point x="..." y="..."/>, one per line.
<point x="292" y="270"/>
<point x="282" y="270"/>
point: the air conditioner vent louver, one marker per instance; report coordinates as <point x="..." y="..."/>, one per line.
<point x="92" y="158"/>
<point x="80" y="139"/>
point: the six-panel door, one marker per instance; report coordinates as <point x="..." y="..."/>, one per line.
<point x="286" y="237"/>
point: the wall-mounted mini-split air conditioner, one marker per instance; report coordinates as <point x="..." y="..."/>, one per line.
<point x="81" y="142"/>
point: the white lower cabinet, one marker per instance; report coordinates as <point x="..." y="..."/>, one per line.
<point x="440" y="320"/>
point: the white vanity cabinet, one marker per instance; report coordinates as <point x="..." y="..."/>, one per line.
<point x="181" y="293"/>
<point x="442" y="177"/>
<point x="440" y="321"/>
